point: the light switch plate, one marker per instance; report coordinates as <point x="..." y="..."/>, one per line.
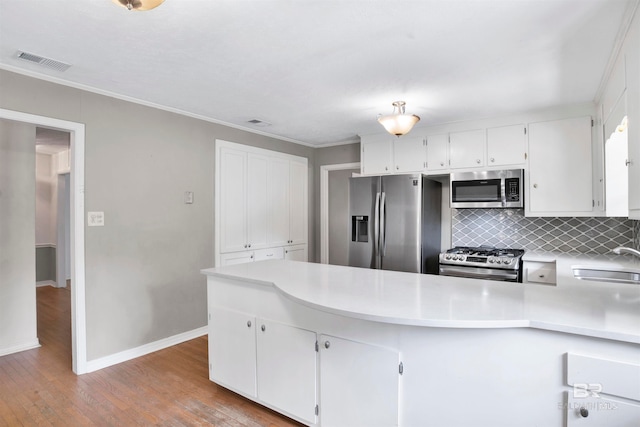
<point x="95" y="219"/>
<point x="188" y="197"/>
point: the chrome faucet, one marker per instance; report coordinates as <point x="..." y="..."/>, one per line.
<point x="624" y="250"/>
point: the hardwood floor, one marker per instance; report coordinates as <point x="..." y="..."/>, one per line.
<point x="169" y="387"/>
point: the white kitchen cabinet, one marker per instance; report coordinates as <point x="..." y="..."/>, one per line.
<point x="298" y="202"/>
<point x="278" y="201"/>
<point x="286" y="368"/>
<point x="376" y="154"/>
<point x="506" y="145"/>
<point x="296" y="253"/>
<point x="467" y="149"/>
<point x="355" y="393"/>
<point x="268" y="253"/>
<point x="233" y="218"/>
<point x="539" y="272"/>
<point x="384" y="154"/>
<point x="632" y="64"/>
<point x="560" y="168"/>
<point x="437" y="152"/>
<point x="232" y="258"/>
<point x="232" y="350"/>
<point x="409" y="154"/>
<point x="595" y="380"/>
<point x="261" y="201"/>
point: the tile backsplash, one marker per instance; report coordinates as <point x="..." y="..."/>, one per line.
<point x="509" y="228"/>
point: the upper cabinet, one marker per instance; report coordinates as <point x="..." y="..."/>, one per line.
<point x="560" y="168"/>
<point x="506" y="145"/>
<point x="467" y="149"/>
<point x="437" y="152"/>
<point x="385" y="154"/>
<point x="261" y="200"/>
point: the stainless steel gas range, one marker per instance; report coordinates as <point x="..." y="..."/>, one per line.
<point x="483" y="262"/>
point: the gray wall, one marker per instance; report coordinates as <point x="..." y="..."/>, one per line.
<point x="17" y="236"/>
<point x="142" y="268"/>
<point x="349" y="153"/>
<point x="45" y="263"/>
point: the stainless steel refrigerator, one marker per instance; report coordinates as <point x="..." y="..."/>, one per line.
<point x="394" y="223"/>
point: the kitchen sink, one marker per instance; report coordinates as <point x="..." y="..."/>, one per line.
<point x="607" y="274"/>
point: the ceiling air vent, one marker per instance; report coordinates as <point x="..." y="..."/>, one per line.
<point x="257" y="122"/>
<point x="45" y="62"/>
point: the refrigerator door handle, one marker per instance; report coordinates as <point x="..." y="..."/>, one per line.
<point x="383" y="214"/>
<point x="376" y="231"/>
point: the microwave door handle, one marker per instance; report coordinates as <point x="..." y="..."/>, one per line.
<point x="383" y="229"/>
<point x="503" y="193"/>
<point x="376" y="231"/>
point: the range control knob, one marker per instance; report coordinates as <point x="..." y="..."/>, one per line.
<point x="506" y="261"/>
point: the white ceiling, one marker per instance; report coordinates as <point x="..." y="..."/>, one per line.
<point x="321" y="71"/>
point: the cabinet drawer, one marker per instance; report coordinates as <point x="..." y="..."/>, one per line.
<point x="600" y="412"/>
<point x="269" y="253"/>
<point x="540" y="272"/>
<point x="604" y="376"/>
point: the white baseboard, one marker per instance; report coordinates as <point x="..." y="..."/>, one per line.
<point x="123" y="356"/>
<point x="22" y="347"/>
<point x="46" y="283"/>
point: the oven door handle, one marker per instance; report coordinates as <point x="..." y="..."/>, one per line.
<point x="479" y="273"/>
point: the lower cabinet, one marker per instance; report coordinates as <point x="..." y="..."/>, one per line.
<point x="296" y="253"/>
<point x="286" y="367"/>
<point x="232" y="350"/>
<point x="359" y="383"/>
<point x="598" y="384"/>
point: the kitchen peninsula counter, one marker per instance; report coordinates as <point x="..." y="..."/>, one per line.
<point x="602" y="310"/>
<point x="343" y="346"/>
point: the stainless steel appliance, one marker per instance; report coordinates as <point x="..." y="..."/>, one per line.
<point x="394" y="223"/>
<point x="483" y="263"/>
<point x="487" y="189"/>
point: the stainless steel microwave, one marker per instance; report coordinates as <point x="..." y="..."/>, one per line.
<point x="487" y="189"/>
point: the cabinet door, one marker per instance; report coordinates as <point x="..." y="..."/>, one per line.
<point x="560" y="167"/>
<point x="298" y="202"/>
<point x="257" y="221"/>
<point x="287" y="368"/>
<point x="232" y="350"/>
<point x="437" y="149"/>
<point x="409" y="154"/>
<point x="466" y="149"/>
<point x="360" y="383"/>
<point x="278" y="202"/>
<point x="506" y="145"/>
<point x="377" y="154"/>
<point x="233" y="200"/>
<point x="601" y="412"/>
<point x="296" y="253"/>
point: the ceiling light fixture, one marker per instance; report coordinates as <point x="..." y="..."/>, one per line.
<point x="139" y="4"/>
<point x="398" y="123"/>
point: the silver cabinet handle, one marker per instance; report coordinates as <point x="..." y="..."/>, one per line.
<point x="327" y="344"/>
<point x="478" y="161"/>
<point x="492" y="160"/>
<point x="248" y="323"/>
<point x="263" y="328"/>
<point x="535" y="185"/>
<point x="386" y="168"/>
<point x="245" y="246"/>
<point x="584" y="412"/>
<point x="627" y="162"/>
<point x="441" y="163"/>
<point x="249" y="244"/>
<point x="397" y="167"/>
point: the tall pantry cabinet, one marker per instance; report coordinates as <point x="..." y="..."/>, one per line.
<point x="261" y="204"/>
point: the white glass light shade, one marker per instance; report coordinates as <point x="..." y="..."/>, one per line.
<point x="139" y="4"/>
<point x="398" y="123"/>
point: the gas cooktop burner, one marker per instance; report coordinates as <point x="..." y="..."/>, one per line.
<point x="485" y="251"/>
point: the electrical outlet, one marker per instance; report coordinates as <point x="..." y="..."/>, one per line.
<point x="95" y="219"/>
<point x="188" y="197"/>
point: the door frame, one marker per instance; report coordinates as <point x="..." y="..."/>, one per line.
<point x="78" y="308"/>
<point x="324" y="205"/>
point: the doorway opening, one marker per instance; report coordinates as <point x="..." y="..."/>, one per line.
<point x="76" y="132"/>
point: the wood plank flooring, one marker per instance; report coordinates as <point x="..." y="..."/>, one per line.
<point x="169" y="387"/>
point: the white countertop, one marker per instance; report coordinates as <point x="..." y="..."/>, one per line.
<point x="602" y="310"/>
